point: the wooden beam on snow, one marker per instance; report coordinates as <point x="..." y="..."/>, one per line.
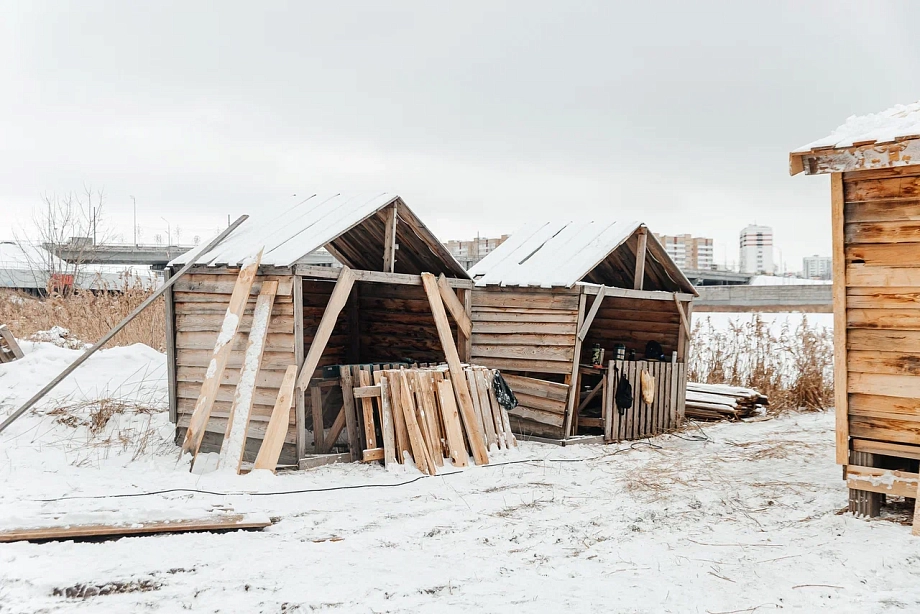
<point x="389" y="239"/>
<point x="639" y="277"/>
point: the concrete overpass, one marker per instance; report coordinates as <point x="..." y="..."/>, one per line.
<point x="707" y="277"/>
<point x="154" y="256"/>
<point x="811" y="298"/>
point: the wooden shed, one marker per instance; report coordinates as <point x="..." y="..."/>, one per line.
<point x="874" y="167"/>
<point x="553" y="293"/>
<point x="376" y="313"/>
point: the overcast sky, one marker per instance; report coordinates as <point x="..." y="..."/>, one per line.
<point x="482" y="115"/>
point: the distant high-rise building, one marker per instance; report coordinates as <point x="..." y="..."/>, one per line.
<point x="688" y="252"/>
<point x="756" y="244"/>
<point x="817" y="267"/>
<point x="469" y="253"/>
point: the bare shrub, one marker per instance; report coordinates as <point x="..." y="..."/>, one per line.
<point x="89" y="315"/>
<point x="792" y="366"/>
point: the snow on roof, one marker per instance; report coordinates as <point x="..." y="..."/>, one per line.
<point x="897" y="123"/>
<point x="548" y="254"/>
<point x="290" y="234"/>
<point x="27" y="256"/>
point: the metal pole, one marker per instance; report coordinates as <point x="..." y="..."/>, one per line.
<point x="134" y="200"/>
<point x="108" y="336"/>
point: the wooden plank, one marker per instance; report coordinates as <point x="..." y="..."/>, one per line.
<point x="887" y="449"/>
<point x="883" y="210"/>
<point x="172" y="368"/>
<point x="337" y="301"/>
<point x="399" y="422"/>
<point x="907" y="341"/>
<point x="882" y="232"/>
<point x="868" y="404"/>
<point x="573" y="376"/>
<point x="508" y="298"/>
<point x="211" y="322"/>
<point x="839" y="239"/>
<point x="367" y="392"/>
<point x="860" y="275"/>
<point x="219" y="356"/>
<point x="428" y="402"/>
<point x="454" y="306"/>
<point x="389" y="239"/>
<point x="372" y="454"/>
<point x="561" y="353"/>
<point x="474" y="432"/>
<point x="465" y="342"/>
<point x="884" y="385"/>
<point x="510" y="441"/>
<point x="68" y="531"/>
<point x="477" y="406"/>
<point x="277" y="429"/>
<point x="861" y="189"/>
<point x="608" y="405"/>
<point x="685" y="322"/>
<point x="420" y="452"/>
<point x="525" y="327"/>
<point x="332" y="435"/>
<point x="485" y="405"/>
<point x="191" y="283"/>
<point x="537" y="387"/>
<point x="886" y="481"/>
<point x="367" y="409"/>
<point x="526" y="366"/>
<point x="351" y="414"/>
<point x="523" y="339"/>
<point x="234" y="443"/>
<point x="319" y="432"/>
<point x="536" y="415"/>
<point x="386" y="421"/>
<point x="896" y="319"/>
<point x="883" y="298"/>
<point x="883" y="255"/>
<point x="639" y="274"/>
<point x="318" y="272"/>
<point x="889" y="363"/>
<point x="321" y="460"/>
<point x="885" y="429"/>
<point x="595" y="306"/>
<point x="452" y="427"/>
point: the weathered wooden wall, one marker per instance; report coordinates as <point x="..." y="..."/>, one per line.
<point x="633" y="322"/>
<point x="881" y="231"/>
<point x="200" y="302"/>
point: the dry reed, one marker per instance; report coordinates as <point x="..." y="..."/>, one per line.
<point x="793" y="366"/>
<point x="89" y="315"/>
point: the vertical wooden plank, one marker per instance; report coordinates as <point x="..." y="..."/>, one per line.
<point x="319" y="432"/>
<point x="420" y="452"/>
<point x="300" y="415"/>
<point x="171" y="369"/>
<point x="573" y="377"/>
<point x="636" y="410"/>
<point x="639" y="275"/>
<point x="351" y="416"/>
<point x="353" y="352"/>
<point x="488" y="415"/>
<point x="661" y="399"/>
<point x="386" y="420"/>
<point x="452" y="426"/>
<point x="465" y="342"/>
<point x="389" y="239"/>
<point x="608" y="405"/>
<point x="672" y="394"/>
<point x="278" y="423"/>
<point x="219" y="357"/>
<point x="681" y="391"/>
<point x="423" y="380"/>
<point x="467" y="411"/>
<point x="234" y="442"/>
<point x="367" y="410"/>
<point x="399" y="422"/>
<point x="488" y="427"/>
<point x="842" y="439"/>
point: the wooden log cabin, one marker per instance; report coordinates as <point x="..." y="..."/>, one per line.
<point x="383" y="315"/>
<point x="874" y="167"/>
<point x="550" y="295"/>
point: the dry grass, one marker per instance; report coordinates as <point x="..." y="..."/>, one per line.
<point x="87" y="315"/>
<point x="792" y="366"/>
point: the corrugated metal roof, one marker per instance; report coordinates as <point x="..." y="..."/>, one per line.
<point x="551" y="254"/>
<point x="288" y="235"/>
<point x="899" y="122"/>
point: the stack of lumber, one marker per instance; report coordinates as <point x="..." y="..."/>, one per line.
<point x="419" y="420"/>
<point x="718" y="402"/>
<point x="9" y="349"/>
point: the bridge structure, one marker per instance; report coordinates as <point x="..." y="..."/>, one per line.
<point x="812" y="298"/>
<point x="710" y="277"/>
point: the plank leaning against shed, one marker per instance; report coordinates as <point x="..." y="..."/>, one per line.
<point x="550" y="293"/>
<point x="874" y="167"/>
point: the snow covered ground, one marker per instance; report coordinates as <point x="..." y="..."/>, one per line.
<point x="729" y="518"/>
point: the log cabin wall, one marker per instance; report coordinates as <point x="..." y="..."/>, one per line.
<point x="633" y="322"/>
<point x="529" y="334"/>
<point x="881" y="314"/>
<point x="200" y="301"/>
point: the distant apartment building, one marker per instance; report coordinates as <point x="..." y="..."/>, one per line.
<point x="816" y="267"/>
<point x="756" y="245"/>
<point x="688" y="252"/>
<point x="469" y="253"/>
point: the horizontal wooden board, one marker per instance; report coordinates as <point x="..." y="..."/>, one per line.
<point x="867" y="404"/>
<point x="536" y="415"/>
<point x="613" y="327"/>
<point x="274" y="342"/>
<point x="215" y="285"/>
<point x="882" y="211"/>
<point x="541" y="403"/>
<point x="261" y="413"/>
<point x="524" y="328"/>
<point x="522" y="339"/>
<point x="885" y="481"/>
<point x="537" y="387"/>
<point x="882" y="232"/>
<point x="898" y="450"/>
<point x="871" y="276"/>
<point x="884" y="254"/>
<point x="221" y="299"/>
<point x="492" y="298"/>
<point x="881" y="173"/>
<point x="526" y="316"/>
<point x="525" y="366"/>
<point x="883" y="298"/>
<point x="212" y="322"/>
<point x="396" y="304"/>
<point x="884" y="385"/>
<point x="888" y="319"/>
<point x="220" y="309"/>
<point x="545" y="352"/>
<point x="874" y="189"/>
<point x="227" y="392"/>
<point x="523" y="426"/>
<point x="885" y="429"/>
<point x="654" y="307"/>
<point x="883" y="340"/>
<point x="639" y="315"/>
<point x="256" y="429"/>
<point x="201" y="358"/>
<point x="890" y="363"/>
<point x="266" y="378"/>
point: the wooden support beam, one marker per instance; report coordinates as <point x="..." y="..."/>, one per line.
<point x="219" y="357"/>
<point x="455" y="307"/>
<point x="465" y="342"/>
<point x="467" y="411"/>
<point x="234" y="442"/>
<point x="316" y="406"/>
<point x="273" y="441"/>
<point x="386" y="421"/>
<point x="300" y="402"/>
<point x="332" y="435"/>
<point x="319" y="272"/>
<point x="683" y="318"/>
<point x="346" y="279"/>
<point x="172" y="369"/>
<point x="583" y="331"/>
<point x="389" y="239"/>
<point x="639" y="277"/>
<point x="842" y="435"/>
<point x="351" y="414"/>
<point x="572" y="378"/>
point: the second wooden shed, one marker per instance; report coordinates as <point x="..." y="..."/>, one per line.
<point x="551" y="295"/>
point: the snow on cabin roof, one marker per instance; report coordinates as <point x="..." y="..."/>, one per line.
<point x="548" y="254"/>
<point x="290" y="234"/>
<point x="897" y="123"/>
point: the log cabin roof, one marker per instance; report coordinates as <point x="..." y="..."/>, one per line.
<point x="887" y="139"/>
<point x="561" y="254"/>
<point x="351" y="227"/>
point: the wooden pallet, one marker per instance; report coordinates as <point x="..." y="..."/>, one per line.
<point x="9" y="349"/>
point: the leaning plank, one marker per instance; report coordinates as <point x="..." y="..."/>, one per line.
<point x="367" y="408"/>
<point x="454" y="306"/>
<point x="218" y="522"/>
<point x="452" y="426"/>
<point x="7" y="336"/>
<point x="278" y="424"/>
<point x="420" y="452"/>
<point x="474" y="431"/>
<point x="481" y="412"/>
<point x="386" y="421"/>
<point x="493" y="427"/>
<point x="683" y="317"/>
<point x="351" y="414"/>
<point x="429" y="409"/>
<point x="595" y="306"/>
<point x="219" y="357"/>
<point x="321" y="460"/>
<point x="108" y="336"/>
<point x="506" y="422"/>
<point x="333" y="308"/>
<point x="332" y="435"/>
<point x="399" y="422"/>
<point x="231" y="448"/>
